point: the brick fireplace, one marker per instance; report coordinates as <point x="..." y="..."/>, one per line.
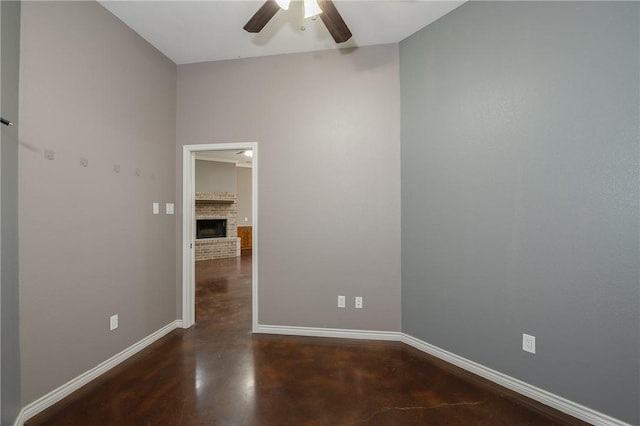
<point x="218" y="205"/>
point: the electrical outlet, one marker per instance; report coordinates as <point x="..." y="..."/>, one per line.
<point x="342" y="302"/>
<point x="529" y="343"/>
<point x="358" y="302"/>
<point x="113" y="322"/>
<point x="156" y="208"/>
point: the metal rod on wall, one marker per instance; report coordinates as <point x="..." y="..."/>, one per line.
<point x="5" y="121"/>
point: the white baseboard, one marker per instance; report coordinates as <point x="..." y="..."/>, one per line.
<point x="547" y="398"/>
<point x="41" y="404"/>
<point x="340" y="333"/>
<point x="20" y="419"/>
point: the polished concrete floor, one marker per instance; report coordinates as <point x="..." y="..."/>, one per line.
<point x="218" y="373"/>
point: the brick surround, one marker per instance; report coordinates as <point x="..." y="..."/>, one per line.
<point x="218" y="205"/>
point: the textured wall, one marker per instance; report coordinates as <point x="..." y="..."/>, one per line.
<point x="89" y="245"/>
<point x="245" y="194"/>
<point x="520" y="193"/>
<point x="327" y="124"/>
<point x="10" y="357"/>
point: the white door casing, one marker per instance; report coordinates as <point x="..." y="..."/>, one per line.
<point x="189" y="153"/>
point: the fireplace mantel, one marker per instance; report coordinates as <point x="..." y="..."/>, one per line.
<point x="209" y="201"/>
<point x="215" y="198"/>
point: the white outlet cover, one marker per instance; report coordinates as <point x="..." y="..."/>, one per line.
<point x="528" y="343"/>
<point x="358" y="302"/>
<point x="113" y="322"/>
<point x="156" y="208"/>
<point x="342" y="302"/>
<point x="168" y="208"/>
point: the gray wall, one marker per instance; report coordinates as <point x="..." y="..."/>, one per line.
<point x="89" y="245"/>
<point x="215" y="176"/>
<point x="329" y="176"/>
<point x="520" y="193"/>
<point x="10" y="374"/>
<point x="245" y="194"/>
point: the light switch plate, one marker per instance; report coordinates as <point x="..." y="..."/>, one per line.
<point x="156" y="208"/>
<point x="168" y="207"/>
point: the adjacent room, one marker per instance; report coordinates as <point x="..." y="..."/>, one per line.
<point x="223" y="217"/>
<point x="439" y="224"/>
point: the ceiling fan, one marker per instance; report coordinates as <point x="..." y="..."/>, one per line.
<point x="325" y="8"/>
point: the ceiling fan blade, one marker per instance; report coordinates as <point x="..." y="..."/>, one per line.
<point x="262" y="16"/>
<point x="334" y="22"/>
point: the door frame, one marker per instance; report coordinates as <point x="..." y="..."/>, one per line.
<point x="189" y="153"/>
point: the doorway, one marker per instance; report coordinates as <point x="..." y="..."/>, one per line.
<point x="190" y="152"/>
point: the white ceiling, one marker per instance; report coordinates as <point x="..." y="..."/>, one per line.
<point x="199" y="31"/>
<point x="227" y="156"/>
